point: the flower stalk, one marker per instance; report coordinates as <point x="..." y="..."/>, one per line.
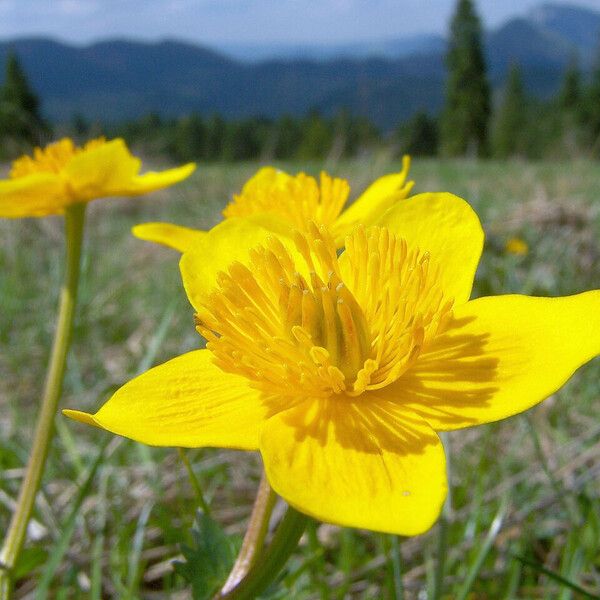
<point x="258" y="526"/>
<point x="268" y="563"/>
<point x="15" y="536"/>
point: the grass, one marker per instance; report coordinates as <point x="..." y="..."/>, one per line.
<point x="524" y="518"/>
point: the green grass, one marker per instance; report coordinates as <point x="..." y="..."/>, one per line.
<point x="524" y="520"/>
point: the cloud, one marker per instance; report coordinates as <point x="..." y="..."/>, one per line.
<point x="76" y="8"/>
<point x="259" y="21"/>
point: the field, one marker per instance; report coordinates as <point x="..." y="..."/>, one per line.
<point x="524" y="516"/>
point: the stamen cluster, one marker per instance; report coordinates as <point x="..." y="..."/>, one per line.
<point x="297" y="199"/>
<point x="51" y="159"/>
<point x="304" y="321"/>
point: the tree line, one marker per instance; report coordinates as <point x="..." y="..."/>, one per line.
<point x="472" y="123"/>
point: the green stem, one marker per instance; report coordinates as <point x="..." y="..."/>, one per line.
<point x="443" y="523"/>
<point x="268" y="564"/>
<point x="15" y="536"/>
<point x="194" y="481"/>
<point x="258" y="526"/>
<point x="396" y="558"/>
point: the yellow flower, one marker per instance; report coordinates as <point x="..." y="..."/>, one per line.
<point x="61" y="174"/>
<point x="278" y="201"/>
<point x="341" y="368"/>
<point x="517" y="246"/>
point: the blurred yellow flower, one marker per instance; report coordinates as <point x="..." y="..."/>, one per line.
<point x="517" y="246"/>
<point x="62" y="174"/>
<point x="286" y="201"/>
<point x="340" y="369"/>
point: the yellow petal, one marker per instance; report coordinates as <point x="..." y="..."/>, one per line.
<point x="448" y="228"/>
<point x="503" y="355"/>
<point x="35" y="195"/>
<point x="109" y="169"/>
<point x="375" y="200"/>
<point x="187" y="401"/>
<point x="102" y="170"/>
<point x="357" y="463"/>
<point x="170" y="235"/>
<point x="265" y="177"/>
<point x="152" y="181"/>
<point x="257" y="195"/>
<point x="226" y="243"/>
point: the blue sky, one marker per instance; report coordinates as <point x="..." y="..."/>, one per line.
<point x="254" y="21"/>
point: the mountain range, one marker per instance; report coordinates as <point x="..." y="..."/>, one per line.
<point x="387" y="81"/>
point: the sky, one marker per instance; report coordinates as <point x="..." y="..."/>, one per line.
<point x="215" y="22"/>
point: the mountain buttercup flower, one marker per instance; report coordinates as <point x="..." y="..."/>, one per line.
<point x="292" y="202"/>
<point x="61" y="179"/>
<point x="62" y="174"/>
<point x="516" y="246"/>
<point x="341" y="368"/>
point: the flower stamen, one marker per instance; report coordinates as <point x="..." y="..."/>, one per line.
<point x="298" y="321"/>
<point x="298" y="199"/>
<point x="51" y="159"/>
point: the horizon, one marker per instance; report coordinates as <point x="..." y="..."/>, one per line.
<point x="76" y="22"/>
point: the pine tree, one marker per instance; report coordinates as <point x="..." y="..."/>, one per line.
<point x="467" y="111"/>
<point x="20" y="118"/>
<point x="419" y="136"/>
<point x="570" y="96"/>
<point x="215" y="135"/>
<point x="511" y="118"/>
<point x="591" y="109"/>
<point x="189" y="138"/>
<point x="570" y="111"/>
<point x="288" y="136"/>
<point x="317" y="138"/>
<point x="241" y="141"/>
<point x="80" y="127"/>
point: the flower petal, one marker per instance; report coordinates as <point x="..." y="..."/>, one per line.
<point x="265" y="177"/>
<point x="503" y="355"/>
<point x="35" y="195"/>
<point x="102" y="170"/>
<point x="109" y="169"/>
<point x="448" y="228"/>
<point x="170" y="235"/>
<point x="264" y="182"/>
<point x="152" y="181"/>
<point x="357" y="463"/>
<point x="375" y="200"/>
<point x="187" y="401"/>
<point x="228" y="242"/>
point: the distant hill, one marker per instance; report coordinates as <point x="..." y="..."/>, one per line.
<point x="115" y="80"/>
<point x="579" y="27"/>
<point x="387" y="48"/>
<point x="574" y="29"/>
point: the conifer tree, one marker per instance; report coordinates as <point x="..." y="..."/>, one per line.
<point x="570" y="110"/>
<point x="241" y="140"/>
<point x="419" y="136"/>
<point x="288" y="137"/>
<point x="591" y="109"/>
<point x="317" y="138"/>
<point x="189" y="138"/>
<point x="511" y="118"/>
<point x="20" y="118"/>
<point x="216" y="129"/>
<point x="570" y="96"/>
<point x="466" y="115"/>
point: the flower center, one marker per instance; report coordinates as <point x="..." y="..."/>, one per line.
<point x="297" y="199"/>
<point x="51" y="159"/>
<point x="304" y="322"/>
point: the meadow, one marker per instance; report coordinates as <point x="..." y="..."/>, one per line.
<point x="523" y="521"/>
